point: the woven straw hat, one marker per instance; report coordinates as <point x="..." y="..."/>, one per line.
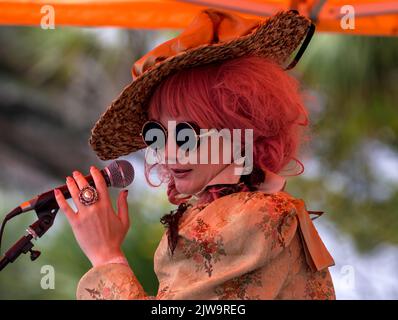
<point x="212" y="36"/>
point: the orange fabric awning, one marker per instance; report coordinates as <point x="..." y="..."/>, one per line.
<point x="371" y="17"/>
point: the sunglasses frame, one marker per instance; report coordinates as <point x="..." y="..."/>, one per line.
<point x="195" y="128"/>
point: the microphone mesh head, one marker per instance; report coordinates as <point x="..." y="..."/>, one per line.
<point x="121" y="173"/>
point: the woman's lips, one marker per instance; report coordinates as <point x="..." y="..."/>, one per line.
<point x="180" y="173"/>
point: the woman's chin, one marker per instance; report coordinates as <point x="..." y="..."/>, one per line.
<point x="186" y="187"/>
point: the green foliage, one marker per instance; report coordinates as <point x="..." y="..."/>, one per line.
<point x="356" y="78"/>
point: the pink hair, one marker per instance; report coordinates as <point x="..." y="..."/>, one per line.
<point x="246" y="92"/>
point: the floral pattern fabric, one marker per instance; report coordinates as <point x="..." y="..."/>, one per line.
<point x="204" y="248"/>
<point x="246" y="245"/>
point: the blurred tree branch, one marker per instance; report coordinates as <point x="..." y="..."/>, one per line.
<point x="53" y="87"/>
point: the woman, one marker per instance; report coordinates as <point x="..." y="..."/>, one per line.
<point x="235" y="234"/>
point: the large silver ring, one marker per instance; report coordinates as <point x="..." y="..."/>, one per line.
<point x="88" y="195"/>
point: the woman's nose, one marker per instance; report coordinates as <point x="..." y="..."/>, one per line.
<point x="170" y="150"/>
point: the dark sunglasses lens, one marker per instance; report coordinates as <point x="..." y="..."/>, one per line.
<point x="154" y="135"/>
<point x="186" y="137"/>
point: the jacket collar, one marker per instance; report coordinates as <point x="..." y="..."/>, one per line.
<point x="231" y="175"/>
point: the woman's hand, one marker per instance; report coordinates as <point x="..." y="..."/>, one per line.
<point x="97" y="228"/>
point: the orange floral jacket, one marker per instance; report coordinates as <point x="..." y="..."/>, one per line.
<point x="246" y="245"/>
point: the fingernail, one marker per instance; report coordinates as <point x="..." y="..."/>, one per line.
<point x="56" y="192"/>
<point x="75" y="173"/>
<point x="92" y="168"/>
<point x="68" y="179"/>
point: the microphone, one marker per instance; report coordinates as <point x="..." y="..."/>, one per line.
<point x="118" y="174"/>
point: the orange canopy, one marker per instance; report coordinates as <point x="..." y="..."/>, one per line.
<point x="371" y="17"/>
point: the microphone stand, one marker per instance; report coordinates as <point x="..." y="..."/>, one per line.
<point x="46" y="214"/>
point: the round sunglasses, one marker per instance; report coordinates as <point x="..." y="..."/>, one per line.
<point x="187" y="135"/>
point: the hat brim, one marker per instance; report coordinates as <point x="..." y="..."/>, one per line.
<point x="117" y="132"/>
